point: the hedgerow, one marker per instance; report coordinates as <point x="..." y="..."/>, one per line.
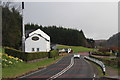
<point x="29" y="56"/>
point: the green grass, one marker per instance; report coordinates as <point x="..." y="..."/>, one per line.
<point x="113" y="66"/>
<point x="23" y="68"/>
<point x="76" y="48"/>
<point x="109" y="59"/>
<point x="1" y="50"/>
<point x="100" y="72"/>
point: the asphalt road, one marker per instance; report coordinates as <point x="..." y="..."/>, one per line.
<point x="67" y="68"/>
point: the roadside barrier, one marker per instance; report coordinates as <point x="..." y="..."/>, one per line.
<point x="100" y="63"/>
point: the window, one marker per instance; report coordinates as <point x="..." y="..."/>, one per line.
<point x="33" y="49"/>
<point x="37" y="49"/>
<point x="35" y="38"/>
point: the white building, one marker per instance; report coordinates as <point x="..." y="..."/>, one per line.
<point x="37" y="41"/>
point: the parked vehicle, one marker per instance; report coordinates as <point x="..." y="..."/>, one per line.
<point x="68" y="50"/>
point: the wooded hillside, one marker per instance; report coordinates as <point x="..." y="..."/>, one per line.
<point x="60" y="35"/>
<point x="113" y="41"/>
<point x="12" y="31"/>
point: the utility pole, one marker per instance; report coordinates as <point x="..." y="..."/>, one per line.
<point x="23" y="30"/>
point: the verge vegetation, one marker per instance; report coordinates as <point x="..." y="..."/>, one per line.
<point x="112" y="62"/>
<point x="76" y="49"/>
<point x="23" y="68"/>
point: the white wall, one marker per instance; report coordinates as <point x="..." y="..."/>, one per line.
<point x="42" y="44"/>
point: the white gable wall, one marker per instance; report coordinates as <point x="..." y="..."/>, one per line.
<point x="38" y="31"/>
<point x="42" y="44"/>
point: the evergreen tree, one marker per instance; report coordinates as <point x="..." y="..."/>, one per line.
<point x="11" y="27"/>
<point x="60" y="35"/>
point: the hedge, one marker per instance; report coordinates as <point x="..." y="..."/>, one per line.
<point x="53" y="53"/>
<point x="108" y="61"/>
<point x="30" y="56"/>
<point x="24" y="55"/>
<point x="102" y="53"/>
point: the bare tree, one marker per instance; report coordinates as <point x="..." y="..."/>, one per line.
<point x="10" y="5"/>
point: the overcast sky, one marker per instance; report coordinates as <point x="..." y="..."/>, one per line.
<point x="98" y="20"/>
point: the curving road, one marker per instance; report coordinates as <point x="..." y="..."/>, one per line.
<point x="67" y="68"/>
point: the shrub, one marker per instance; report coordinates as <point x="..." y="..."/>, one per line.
<point x="102" y="53"/>
<point x="104" y="50"/>
<point x="24" y="55"/>
<point x="53" y="53"/>
<point x="15" y="53"/>
<point x="108" y="61"/>
<point x="107" y="53"/>
<point x="9" y="60"/>
<point x="36" y="55"/>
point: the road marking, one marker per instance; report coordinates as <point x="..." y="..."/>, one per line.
<point x="58" y="60"/>
<point x="63" y="71"/>
<point x="32" y="73"/>
<point x="94" y="76"/>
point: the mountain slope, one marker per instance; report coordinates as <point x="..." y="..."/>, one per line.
<point x="114" y="40"/>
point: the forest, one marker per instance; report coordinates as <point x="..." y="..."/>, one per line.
<point x="65" y="36"/>
<point x="12" y="31"/>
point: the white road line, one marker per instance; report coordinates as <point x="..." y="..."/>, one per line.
<point x="58" y="61"/>
<point x="63" y="71"/>
<point x="32" y="73"/>
<point x="94" y="76"/>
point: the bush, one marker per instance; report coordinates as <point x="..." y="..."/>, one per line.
<point x="24" y="55"/>
<point x="53" y="53"/>
<point x="9" y="60"/>
<point x="36" y="55"/>
<point x="108" y="61"/>
<point x="107" y="53"/>
<point x="102" y="53"/>
<point x="104" y="50"/>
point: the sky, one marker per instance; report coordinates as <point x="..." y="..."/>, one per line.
<point x="98" y="20"/>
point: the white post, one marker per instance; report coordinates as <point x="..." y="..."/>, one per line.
<point x="23" y="30"/>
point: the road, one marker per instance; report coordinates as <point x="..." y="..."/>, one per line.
<point x="66" y="68"/>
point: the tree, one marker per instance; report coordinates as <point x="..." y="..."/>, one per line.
<point x="91" y="43"/>
<point x="11" y="27"/>
<point x="60" y="35"/>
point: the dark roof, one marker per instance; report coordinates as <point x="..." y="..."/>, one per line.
<point x="27" y="32"/>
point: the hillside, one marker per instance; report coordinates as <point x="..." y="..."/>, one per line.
<point x="100" y="42"/>
<point x="113" y="41"/>
<point x="60" y="35"/>
<point x="76" y="49"/>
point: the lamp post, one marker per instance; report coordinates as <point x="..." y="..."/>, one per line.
<point x="23" y="30"/>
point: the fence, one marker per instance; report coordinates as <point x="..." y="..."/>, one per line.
<point x="100" y="63"/>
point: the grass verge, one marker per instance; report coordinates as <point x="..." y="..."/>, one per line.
<point x="110" y="62"/>
<point x="100" y="72"/>
<point x="24" y="68"/>
<point x="76" y="48"/>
